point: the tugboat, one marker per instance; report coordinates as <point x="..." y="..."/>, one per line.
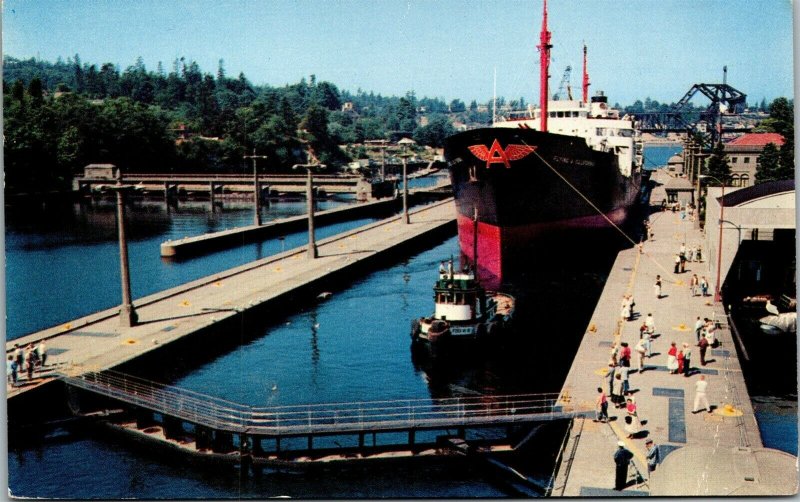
<point x="463" y="311"/>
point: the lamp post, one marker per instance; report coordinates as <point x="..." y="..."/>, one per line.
<point x="127" y="314"/>
<point x="405" y="155"/>
<point x="717" y="296"/>
<point x="312" y="245"/>
<point x="256" y="191"/>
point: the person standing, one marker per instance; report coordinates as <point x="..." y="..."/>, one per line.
<point x="653" y="455"/>
<point x="622" y="457"/>
<point x="693" y="284"/>
<point x="30" y="359"/>
<point x="41" y="352"/>
<point x="703" y="344"/>
<point x="650" y="323"/>
<point x="11" y="370"/>
<point x="640" y="350"/>
<point x="616" y="389"/>
<point x="672" y="358"/>
<point x="677" y="263"/>
<point x="698" y="328"/>
<point x="612" y="371"/>
<point x="623" y="372"/>
<point x="700" y="397"/>
<point x="680" y="360"/>
<point x="601" y="406"/>
<point x="625" y="355"/>
<point x="687" y="360"/>
<point x="682" y="257"/>
<point x="20" y="356"/>
<point x="704" y="286"/>
<point x="657" y="287"/>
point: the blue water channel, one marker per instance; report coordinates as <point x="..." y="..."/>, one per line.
<point x="62" y="262"/>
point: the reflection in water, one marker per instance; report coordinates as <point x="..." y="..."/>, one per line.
<point x="314" y="346"/>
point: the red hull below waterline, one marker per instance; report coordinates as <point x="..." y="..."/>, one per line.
<point x="498" y="246"/>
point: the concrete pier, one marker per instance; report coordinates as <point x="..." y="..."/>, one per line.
<point x="196" y="245"/>
<point x="98" y="342"/>
<point x="703" y="454"/>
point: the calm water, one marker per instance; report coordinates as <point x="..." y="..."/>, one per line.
<point x="355" y="346"/>
<point x="656" y="156"/>
<point x="318" y="354"/>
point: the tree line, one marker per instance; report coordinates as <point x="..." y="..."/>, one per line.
<point x="61" y="116"/>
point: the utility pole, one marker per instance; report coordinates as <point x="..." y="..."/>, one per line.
<point x="256" y="191"/>
<point x="127" y="314"/>
<point x="312" y="243"/>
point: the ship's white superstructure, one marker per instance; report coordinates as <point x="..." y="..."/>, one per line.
<point x="600" y="126"/>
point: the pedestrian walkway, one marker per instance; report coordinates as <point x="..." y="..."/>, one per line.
<point x="97" y="342"/>
<point x="697" y="450"/>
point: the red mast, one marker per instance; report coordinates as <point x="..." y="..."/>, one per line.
<point x="544" y="65"/>
<point x="585" y="77"/>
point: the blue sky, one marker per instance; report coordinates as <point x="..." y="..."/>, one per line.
<point x="442" y="48"/>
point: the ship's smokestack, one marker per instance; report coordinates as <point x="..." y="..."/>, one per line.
<point x="544" y="66"/>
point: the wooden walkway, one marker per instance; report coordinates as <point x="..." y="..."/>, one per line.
<point x="703" y="454"/>
<point x="97" y="342"/>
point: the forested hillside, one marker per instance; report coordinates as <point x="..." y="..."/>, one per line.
<point x="61" y="116"/>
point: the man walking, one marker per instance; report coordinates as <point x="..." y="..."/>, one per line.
<point x="622" y="457"/>
<point x="601" y="406"/>
<point x="703" y="344"/>
<point x="700" y="395"/>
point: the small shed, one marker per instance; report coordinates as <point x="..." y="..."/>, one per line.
<point x="102" y="171"/>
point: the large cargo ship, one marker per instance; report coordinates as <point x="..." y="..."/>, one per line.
<point x="560" y="169"/>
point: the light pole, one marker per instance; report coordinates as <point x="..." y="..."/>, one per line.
<point x="127" y="314"/>
<point x="312" y="245"/>
<point x="717" y="296"/>
<point x="405" y="155"/>
<point x="256" y="191"/>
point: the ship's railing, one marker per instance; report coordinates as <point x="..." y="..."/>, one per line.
<point x="221" y="414"/>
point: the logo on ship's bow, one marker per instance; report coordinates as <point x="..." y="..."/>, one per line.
<point x="497" y="155"/>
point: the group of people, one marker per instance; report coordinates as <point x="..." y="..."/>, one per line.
<point x="698" y="285"/>
<point x="679" y="360"/>
<point x="27" y="359"/>
<point x="623" y="359"/>
<point x="684" y="255"/>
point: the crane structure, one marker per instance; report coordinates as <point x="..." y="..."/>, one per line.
<point x="725" y="101"/>
<point x="564" y="84"/>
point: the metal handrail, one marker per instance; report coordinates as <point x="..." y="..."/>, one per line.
<point x="222" y="414"/>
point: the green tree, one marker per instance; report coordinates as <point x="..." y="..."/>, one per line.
<point x="717" y="165"/>
<point x="768" y="164"/>
<point x="457" y="106"/>
<point x="35" y="91"/>
<point x="438" y="129"/>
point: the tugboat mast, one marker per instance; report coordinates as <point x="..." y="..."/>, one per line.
<point x="544" y="66"/>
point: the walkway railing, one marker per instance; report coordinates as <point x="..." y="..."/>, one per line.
<point x="220" y="414"/>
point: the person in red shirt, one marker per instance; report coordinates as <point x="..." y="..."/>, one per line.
<point x="625" y="355"/>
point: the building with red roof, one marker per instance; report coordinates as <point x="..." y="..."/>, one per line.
<point x="742" y="154"/>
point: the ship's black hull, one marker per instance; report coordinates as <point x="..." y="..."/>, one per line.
<point x="528" y="187"/>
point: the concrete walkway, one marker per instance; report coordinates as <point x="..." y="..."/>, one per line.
<point x="717" y="453"/>
<point x="98" y="342"/>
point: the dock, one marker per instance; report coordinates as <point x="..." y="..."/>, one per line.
<point x="214" y="241"/>
<point x="97" y="342"/>
<point x="713" y="453"/>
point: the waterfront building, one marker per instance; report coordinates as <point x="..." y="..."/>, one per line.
<point x="742" y="154"/>
<point x="758" y="228"/>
